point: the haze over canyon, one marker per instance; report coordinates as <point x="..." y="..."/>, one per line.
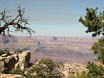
<point x="63" y="49"/>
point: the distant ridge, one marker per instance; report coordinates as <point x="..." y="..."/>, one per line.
<point x="64" y="49"/>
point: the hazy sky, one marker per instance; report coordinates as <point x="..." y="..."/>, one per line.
<point x="54" y="17"/>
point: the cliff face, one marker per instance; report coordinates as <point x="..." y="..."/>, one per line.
<point x="14" y="60"/>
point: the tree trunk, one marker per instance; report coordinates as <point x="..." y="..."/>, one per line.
<point x="1" y="30"/>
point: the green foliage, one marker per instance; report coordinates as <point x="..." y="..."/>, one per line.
<point x="83" y="74"/>
<point x="94" y="71"/>
<point x="18" y="51"/>
<point x="98" y="47"/>
<point x="4" y="52"/>
<point x="95" y="24"/>
<point x="46" y="68"/>
<point x="28" y="75"/>
<point x="16" y="71"/>
<point x="8" y="52"/>
<point x="93" y="21"/>
<point x="6" y="70"/>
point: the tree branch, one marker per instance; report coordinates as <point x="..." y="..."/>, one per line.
<point x="19" y="22"/>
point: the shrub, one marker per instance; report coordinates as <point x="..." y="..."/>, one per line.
<point x="18" y="51"/>
<point x="16" y="71"/>
<point x="4" y="52"/>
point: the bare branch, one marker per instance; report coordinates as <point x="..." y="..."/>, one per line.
<point x="19" y="22"/>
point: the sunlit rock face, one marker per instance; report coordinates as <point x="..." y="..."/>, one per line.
<point x="14" y="60"/>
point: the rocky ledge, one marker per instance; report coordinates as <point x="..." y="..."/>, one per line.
<point x="73" y="68"/>
<point x="13" y="60"/>
<point x="10" y="76"/>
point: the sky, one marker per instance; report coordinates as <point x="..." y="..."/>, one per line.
<point x="54" y="17"/>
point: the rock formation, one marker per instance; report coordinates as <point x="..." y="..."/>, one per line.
<point x="10" y="76"/>
<point x="73" y="68"/>
<point x="23" y="61"/>
<point x="14" y="60"/>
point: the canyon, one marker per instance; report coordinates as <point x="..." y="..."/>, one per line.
<point x="63" y="49"/>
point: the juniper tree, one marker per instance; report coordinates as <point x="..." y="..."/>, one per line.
<point x="94" y="22"/>
<point x="46" y="68"/>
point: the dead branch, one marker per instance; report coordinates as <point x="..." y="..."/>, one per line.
<point x="19" y="22"/>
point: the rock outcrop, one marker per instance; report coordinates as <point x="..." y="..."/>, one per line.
<point x="73" y="68"/>
<point x="1" y="65"/>
<point x="10" y="76"/>
<point x="14" y="60"/>
<point x="23" y="61"/>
